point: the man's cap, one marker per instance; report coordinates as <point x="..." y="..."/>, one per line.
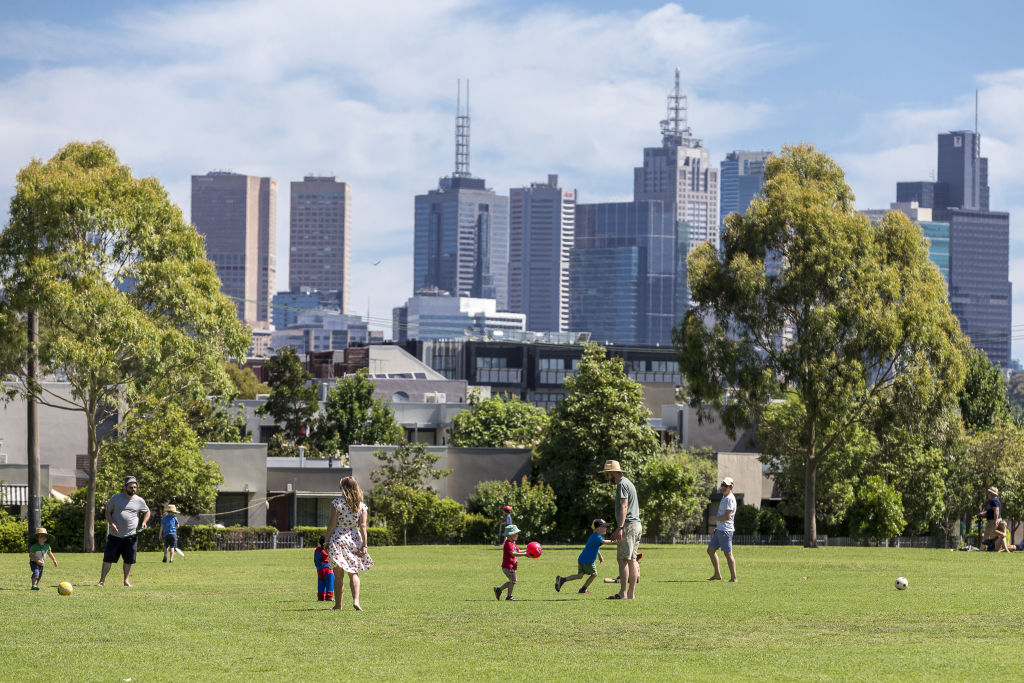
<point x="41" y="531"/>
<point x="507" y="508"/>
<point x="172" y="509"/>
<point x="993" y="490"/>
<point x="611" y="466"/>
<point x="130" y="480"/>
<point x="727" y="481"/>
<point x="511" y="529"/>
<point x="600" y="522"/>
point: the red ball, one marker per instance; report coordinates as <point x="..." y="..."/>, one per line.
<point x="533" y="549"/>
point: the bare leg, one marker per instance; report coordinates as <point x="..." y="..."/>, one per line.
<point x="632" y="574"/>
<point x="590" y="580"/>
<point x="732" y="565"/>
<point x="340" y="589"/>
<point x="713" y="554"/>
<point x="127" y="572"/>
<point x="623" y="577"/>
<point x="103" y="574"/>
<point x="353" y="581"/>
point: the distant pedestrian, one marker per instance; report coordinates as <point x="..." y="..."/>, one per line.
<point x="324" y="574"/>
<point x="510" y="555"/>
<point x="169" y="531"/>
<point x="723" y="533"/>
<point x="37" y="553"/>
<point x="346" y="538"/>
<point x="586" y="563"/>
<point x="505" y="521"/>
<point x="627" y="533"/>
<point x="991" y="515"/>
<point x="123" y="511"/>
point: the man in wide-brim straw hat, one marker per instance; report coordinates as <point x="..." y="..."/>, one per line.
<point x="991" y="515"/>
<point x="627" y="529"/>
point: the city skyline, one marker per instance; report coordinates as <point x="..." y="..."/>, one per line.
<point x="183" y="88"/>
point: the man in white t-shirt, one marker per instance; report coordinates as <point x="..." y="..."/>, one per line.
<point x="723" y="534"/>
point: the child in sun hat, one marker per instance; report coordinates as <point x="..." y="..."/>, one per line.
<point x="37" y="553"/>
<point x="169" y="532"/>
<point x="586" y="563"/>
<point x="510" y="555"/>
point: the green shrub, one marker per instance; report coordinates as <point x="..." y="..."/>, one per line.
<point x="374" y="535"/>
<point x="13" y="536"/>
<point x="65" y="520"/>
<point x="770" y="522"/>
<point x="444" y="521"/>
<point x="479" y="529"/>
<point x="745" y="520"/>
<point x="533" y="506"/>
<point x="877" y="511"/>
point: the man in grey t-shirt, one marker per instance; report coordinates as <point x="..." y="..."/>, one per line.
<point x="123" y="513"/>
<point x="627" y="530"/>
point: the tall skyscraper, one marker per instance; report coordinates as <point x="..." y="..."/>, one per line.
<point x="237" y="216"/>
<point x="740" y="179"/>
<point x="541" y="227"/>
<point x="320" y="252"/>
<point x="980" y="291"/>
<point x="461" y="234"/>
<point x="627" y="272"/>
<point x="680" y="175"/>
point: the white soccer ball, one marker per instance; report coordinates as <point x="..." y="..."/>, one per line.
<point x="901" y="584"/>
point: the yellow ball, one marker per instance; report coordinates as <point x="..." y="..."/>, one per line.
<point x="64" y="588"/>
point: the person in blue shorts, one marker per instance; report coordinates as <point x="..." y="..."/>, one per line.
<point x="588" y="559"/>
<point x="723" y="534"/>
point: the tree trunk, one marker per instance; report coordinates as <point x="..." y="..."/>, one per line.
<point x="89" y="537"/>
<point x="810" y="524"/>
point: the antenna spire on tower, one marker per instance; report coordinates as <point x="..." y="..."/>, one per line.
<point x="461" y="134"/>
<point x="674" y="130"/>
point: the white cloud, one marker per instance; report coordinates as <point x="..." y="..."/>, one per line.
<point x="366" y="91"/>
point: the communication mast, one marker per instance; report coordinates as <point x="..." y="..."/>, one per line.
<point x="461" y="134"/>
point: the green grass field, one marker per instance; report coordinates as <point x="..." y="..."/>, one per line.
<point x="830" y="613"/>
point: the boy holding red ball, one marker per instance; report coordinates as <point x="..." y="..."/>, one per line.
<point x="510" y="555"/>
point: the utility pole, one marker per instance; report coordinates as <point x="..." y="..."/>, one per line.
<point x="34" y="501"/>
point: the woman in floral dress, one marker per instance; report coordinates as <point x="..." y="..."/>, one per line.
<point x="346" y="538"/>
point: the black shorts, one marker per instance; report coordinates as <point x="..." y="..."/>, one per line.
<point x="170" y="541"/>
<point x="121" y="548"/>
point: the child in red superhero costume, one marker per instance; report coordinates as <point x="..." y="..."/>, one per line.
<point x="324" y="574"/>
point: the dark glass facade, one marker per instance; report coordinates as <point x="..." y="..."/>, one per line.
<point x="625" y="272"/>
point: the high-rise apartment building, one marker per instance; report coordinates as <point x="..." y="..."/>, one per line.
<point x="680" y="175"/>
<point x="320" y="250"/>
<point x="980" y="291"/>
<point x="741" y="176"/>
<point x="628" y="272"/>
<point x="461" y="232"/>
<point x="541" y="227"/>
<point x="237" y="216"/>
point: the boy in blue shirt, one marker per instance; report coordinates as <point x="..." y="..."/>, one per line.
<point x="169" y="532"/>
<point x="587" y="561"/>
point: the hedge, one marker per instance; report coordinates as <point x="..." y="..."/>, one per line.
<point x="375" y="535"/>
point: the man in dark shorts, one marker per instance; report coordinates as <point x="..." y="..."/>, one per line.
<point x="123" y="524"/>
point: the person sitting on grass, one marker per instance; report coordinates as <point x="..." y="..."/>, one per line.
<point x="586" y="564"/>
<point x="1000" y="536"/>
<point x="510" y="555"/>
<point x="37" y="553"/>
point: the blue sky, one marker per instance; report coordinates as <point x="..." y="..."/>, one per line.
<point x="366" y="92"/>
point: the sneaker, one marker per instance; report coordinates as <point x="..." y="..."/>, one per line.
<point x="558" y="583"/>
<point x="164" y="560"/>
<point x="583" y="590"/>
<point x="497" y="593"/>
<point x="35" y="588"/>
<point x="510" y="598"/>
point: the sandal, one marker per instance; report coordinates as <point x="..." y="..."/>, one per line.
<point x="615" y="597"/>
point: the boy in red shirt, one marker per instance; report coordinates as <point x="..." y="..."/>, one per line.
<point x="510" y="555"/>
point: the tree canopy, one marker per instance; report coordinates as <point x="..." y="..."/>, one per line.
<point x="603" y="417"/>
<point x="496" y="422"/>
<point x="293" y="399"/>
<point x="352" y="414"/>
<point x="807" y="297"/>
<point x="128" y="305"/>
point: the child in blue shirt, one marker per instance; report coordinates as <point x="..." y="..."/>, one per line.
<point x="324" y="573"/>
<point x="169" y="532"/>
<point x="587" y="561"/>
